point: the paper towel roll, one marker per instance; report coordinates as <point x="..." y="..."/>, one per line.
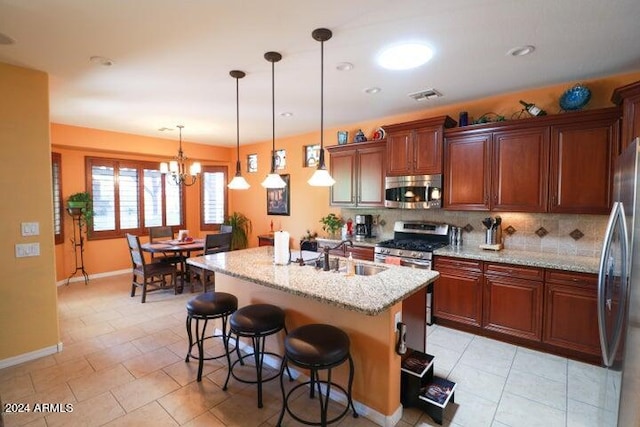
<point x="281" y="248"/>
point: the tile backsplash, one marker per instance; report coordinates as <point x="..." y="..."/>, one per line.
<point x="560" y="234"/>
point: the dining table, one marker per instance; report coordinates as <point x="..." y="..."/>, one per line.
<point x="175" y="247"/>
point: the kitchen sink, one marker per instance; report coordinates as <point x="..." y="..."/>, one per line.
<point x="368" y="270"/>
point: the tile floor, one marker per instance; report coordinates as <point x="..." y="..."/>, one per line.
<point x="123" y="365"/>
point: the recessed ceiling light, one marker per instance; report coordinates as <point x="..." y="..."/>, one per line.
<point x="344" y="66"/>
<point x="372" y="90"/>
<point x="6" y="40"/>
<point x="425" y="94"/>
<point x="521" y="50"/>
<point x="405" y="56"/>
<point x="286" y="114"/>
<point x="101" y="60"/>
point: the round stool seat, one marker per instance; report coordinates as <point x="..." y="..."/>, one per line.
<point x="257" y="319"/>
<point x="212" y="304"/>
<point x="317" y="345"/>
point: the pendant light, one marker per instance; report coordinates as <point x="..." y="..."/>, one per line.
<point x="321" y="177"/>
<point x="238" y="182"/>
<point x="273" y="180"/>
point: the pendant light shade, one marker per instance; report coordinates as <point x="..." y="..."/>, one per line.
<point x="273" y="180"/>
<point x="238" y="182"/>
<point x="321" y="177"/>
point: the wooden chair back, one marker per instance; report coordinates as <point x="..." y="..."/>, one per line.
<point x="137" y="258"/>
<point x="160" y="233"/>
<point x="219" y="242"/>
<point x="226" y="228"/>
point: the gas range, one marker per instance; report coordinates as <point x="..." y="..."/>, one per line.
<point x="413" y="241"/>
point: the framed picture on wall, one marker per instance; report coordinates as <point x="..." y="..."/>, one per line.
<point x="252" y="163"/>
<point x="281" y="159"/>
<point x="311" y="155"/>
<point x="278" y="199"/>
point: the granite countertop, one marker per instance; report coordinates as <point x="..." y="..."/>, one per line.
<point x="580" y="264"/>
<point x="370" y="295"/>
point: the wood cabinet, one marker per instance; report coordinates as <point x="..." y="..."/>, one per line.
<point x="365" y="253"/>
<point x="628" y="97"/>
<point x="513" y="300"/>
<point x="415" y="148"/>
<point x="457" y="294"/>
<point x="265" y="239"/>
<point x="533" y="165"/>
<point x="359" y="171"/>
<point x="570" y="313"/>
<point x="583" y="152"/>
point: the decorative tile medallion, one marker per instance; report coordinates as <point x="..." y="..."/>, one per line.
<point x="541" y="232"/>
<point x="468" y="228"/>
<point x="510" y="230"/>
<point x="576" y="234"/>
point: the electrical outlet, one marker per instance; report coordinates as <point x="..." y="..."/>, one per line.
<point x="27" y="250"/>
<point x="397" y="319"/>
<point x="375" y="220"/>
<point x="30" y="228"/>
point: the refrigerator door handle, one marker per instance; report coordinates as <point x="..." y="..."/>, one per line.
<point x="606" y="269"/>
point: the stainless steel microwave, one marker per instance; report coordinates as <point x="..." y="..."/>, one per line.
<point x="413" y="192"/>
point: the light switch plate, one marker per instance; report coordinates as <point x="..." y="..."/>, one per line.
<point x="30" y="228"/>
<point x="27" y="250"/>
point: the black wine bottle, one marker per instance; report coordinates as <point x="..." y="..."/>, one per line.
<point x="532" y="109"/>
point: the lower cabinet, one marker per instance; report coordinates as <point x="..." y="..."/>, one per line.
<point x="457" y="295"/>
<point x="570" y="315"/>
<point x="550" y="310"/>
<point x="513" y="300"/>
<point x="364" y="253"/>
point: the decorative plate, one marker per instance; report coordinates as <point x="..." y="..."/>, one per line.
<point x="379" y="134"/>
<point x="575" y="98"/>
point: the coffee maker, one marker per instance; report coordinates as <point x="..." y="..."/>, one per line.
<point x="364" y="224"/>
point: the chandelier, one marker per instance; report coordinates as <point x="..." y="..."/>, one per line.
<point x="178" y="167"/>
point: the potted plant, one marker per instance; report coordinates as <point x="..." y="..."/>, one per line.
<point x="240" y="229"/>
<point x="81" y="204"/>
<point x="331" y="224"/>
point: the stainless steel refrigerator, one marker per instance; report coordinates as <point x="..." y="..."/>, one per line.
<point x="619" y="296"/>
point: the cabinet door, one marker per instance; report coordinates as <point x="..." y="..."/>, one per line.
<point x="371" y="173"/>
<point x="570" y="314"/>
<point x="582" y="162"/>
<point x="427" y="150"/>
<point x="513" y="307"/>
<point x="398" y="153"/>
<point x="365" y="253"/>
<point x="520" y="170"/>
<point x="457" y="294"/>
<point x="467" y="172"/>
<point x="343" y="169"/>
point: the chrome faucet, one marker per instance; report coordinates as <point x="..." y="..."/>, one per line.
<point x="326" y="250"/>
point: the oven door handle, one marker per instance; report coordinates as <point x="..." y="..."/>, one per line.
<point x="416" y="263"/>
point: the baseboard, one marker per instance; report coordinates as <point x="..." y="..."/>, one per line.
<point x="32" y="355"/>
<point x="336" y="395"/>
<point x="93" y="276"/>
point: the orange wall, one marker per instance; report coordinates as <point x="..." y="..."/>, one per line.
<point x="308" y="204"/>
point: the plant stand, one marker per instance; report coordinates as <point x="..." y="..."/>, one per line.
<point x="78" y="245"/>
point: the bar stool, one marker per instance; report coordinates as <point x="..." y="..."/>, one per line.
<point x="209" y="306"/>
<point x="317" y="347"/>
<point x="256" y="321"/>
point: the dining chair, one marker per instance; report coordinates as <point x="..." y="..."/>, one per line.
<point x="226" y="228"/>
<point x="164" y="233"/>
<point x="213" y="243"/>
<point x="149" y="276"/>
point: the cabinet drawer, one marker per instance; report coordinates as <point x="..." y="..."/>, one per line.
<point x="516" y="271"/>
<point x="571" y="278"/>
<point x="361" y="252"/>
<point x="452" y="265"/>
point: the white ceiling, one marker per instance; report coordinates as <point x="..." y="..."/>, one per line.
<point x="172" y="57"/>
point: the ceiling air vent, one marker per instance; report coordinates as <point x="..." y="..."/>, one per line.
<point x="425" y="94"/>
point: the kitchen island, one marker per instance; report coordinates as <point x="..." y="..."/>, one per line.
<point x="365" y="307"/>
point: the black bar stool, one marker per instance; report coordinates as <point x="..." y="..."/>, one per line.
<point x="205" y="307"/>
<point x="317" y="347"/>
<point x="256" y="321"/>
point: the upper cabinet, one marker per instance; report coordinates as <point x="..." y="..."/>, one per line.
<point x="629" y="98"/>
<point x="415" y="148"/>
<point x="359" y="171"/>
<point x="559" y="163"/>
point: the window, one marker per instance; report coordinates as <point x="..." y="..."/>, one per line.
<point x="214" y="197"/>
<point x="130" y="196"/>
<point x="56" y="179"/>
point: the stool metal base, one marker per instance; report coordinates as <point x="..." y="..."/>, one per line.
<point x="200" y="339"/>
<point x="313" y="383"/>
